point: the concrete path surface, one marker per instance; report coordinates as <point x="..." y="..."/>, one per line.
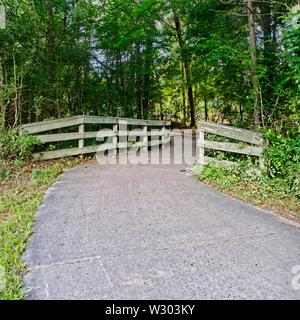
<point x="154" y="232"/>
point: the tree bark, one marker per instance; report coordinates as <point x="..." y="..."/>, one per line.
<point x="186" y="66"/>
<point x="206" y="109"/>
<point x="253" y="52"/>
<point x="183" y="96"/>
<point x="138" y="84"/>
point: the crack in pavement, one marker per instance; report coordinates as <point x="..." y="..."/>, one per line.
<point x="211" y="242"/>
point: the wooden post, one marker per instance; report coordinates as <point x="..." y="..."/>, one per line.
<point x="200" y="147"/>
<point x="163" y="137"/>
<point x="262" y="164"/>
<point x="115" y="139"/>
<point x="145" y="138"/>
<point x="81" y="141"/>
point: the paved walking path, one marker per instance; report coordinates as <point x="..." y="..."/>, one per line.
<point x="154" y="232"/>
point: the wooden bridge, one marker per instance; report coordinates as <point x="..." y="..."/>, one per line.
<point x="152" y="231"/>
<point x="63" y="130"/>
<point x="142" y="134"/>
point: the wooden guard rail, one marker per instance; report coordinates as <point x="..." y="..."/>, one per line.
<point x="40" y="130"/>
<point x="251" y="143"/>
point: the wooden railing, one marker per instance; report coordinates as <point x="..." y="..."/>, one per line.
<point x="250" y="143"/>
<point x="140" y="128"/>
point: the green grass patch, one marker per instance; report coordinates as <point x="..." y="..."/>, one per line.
<point x="22" y="191"/>
<point x="274" y="194"/>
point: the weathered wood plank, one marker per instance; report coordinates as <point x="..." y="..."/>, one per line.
<point x="141" y="133"/>
<point x="166" y="140"/>
<point x="219" y="163"/>
<point x="232" y="133"/>
<point x="150" y="123"/>
<point x="132" y="134"/>
<point x="123" y="145"/>
<point x="105" y="134"/>
<point x="155" y="143"/>
<point x="138" y="122"/>
<point x="201" y="150"/>
<point x="99" y="120"/>
<point x="51" y="125"/>
<point x="159" y="133"/>
<point x="48" y="155"/>
<point x="145" y="139"/>
<point x="81" y="141"/>
<point x="60" y="137"/>
<point x="47" y="138"/>
<point x="38" y="127"/>
<point x="33" y="124"/>
<point x="232" y="147"/>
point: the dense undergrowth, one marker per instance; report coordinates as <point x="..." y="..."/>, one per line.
<point x="276" y="189"/>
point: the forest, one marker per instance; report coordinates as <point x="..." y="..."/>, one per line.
<point x="224" y="61"/>
<point x="234" y="62"/>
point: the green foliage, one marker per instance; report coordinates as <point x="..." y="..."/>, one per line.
<point x="283" y="154"/>
<point x="292" y="42"/>
<point x="283" y="160"/>
<point x="278" y="187"/>
<point x="44" y="175"/>
<point x="16" y="146"/>
<point x="20" y="196"/>
<point x="125" y="58"/>
<point x="244" y="183"/>
<point x="224" y="177"/>
<point x="4" y="171"/>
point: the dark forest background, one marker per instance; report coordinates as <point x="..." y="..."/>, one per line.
<point x="226" y="61"/>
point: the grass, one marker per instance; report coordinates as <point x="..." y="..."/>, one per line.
<point x="22" y="191"/>
<point x="262" y="191"/>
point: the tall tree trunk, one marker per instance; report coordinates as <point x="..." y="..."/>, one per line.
<point x="138" y="83"/>
<point x="183" y="97"/>
<point x="253" y="52"/>
<point x="206" y="109"/>
<point x="270" y="59"/>
<point x="147" y="78"/>
<point x="186" y="65"/>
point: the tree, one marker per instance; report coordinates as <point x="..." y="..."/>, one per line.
<point x="233" y="61"/>
<point x="253" y="51"/>
<point x="186" y="65"/>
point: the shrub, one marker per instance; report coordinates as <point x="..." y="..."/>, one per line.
<point x="283" y="160"/>
<point x="282" y="174"/>
<point x="14" y="146"/>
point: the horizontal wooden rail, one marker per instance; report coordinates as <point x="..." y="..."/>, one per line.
<point x="48" y="138"/>
<point x="40" y="130"/>
<point x="250" y="143"/>
<point x="48" y="155"/>
<point x="215" y="162"/>
<point x="231" y="132"/>
<point x="234" y="148"/>
<point x="51" y="125"/>
<point x="38" y="127"/>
